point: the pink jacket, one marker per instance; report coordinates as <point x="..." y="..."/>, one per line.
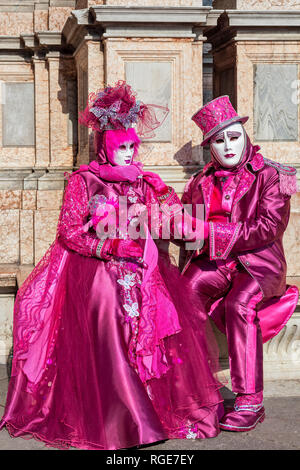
<point x="259" y="216"/>
<point x="260" y="208"/>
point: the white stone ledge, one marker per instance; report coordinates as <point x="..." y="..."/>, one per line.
<point x="122" y="21"/>
<point x="238" y="25"/>
<point x="173" y="175"/>
<point x="173" y="172"/>
<point x="279" y="34"/>
<point x="25" y="2"/>
<point x="266" y="19"/>
<point x="62" y="3"/>
<point x="29" y="40"/>
<point x="41" y="5"/>
<point x="31" y="5"/>
<point x="115" y="14"/>
<point x="52" y="178"/>
<point x="149" y="31"/>
<point x="49" y="38"/>
<point x="81" y="16"/>
<point x="41" y="40"/>
<point x="27" y="8"/>
<point x="282" y="353"/>
<point x="42" y="179"/>
<point x="10" y="42"/>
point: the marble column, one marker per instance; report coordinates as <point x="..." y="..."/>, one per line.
<point x="61" y="153"/>
<point x="42" y="114"/>
<point x="158" y="50"/>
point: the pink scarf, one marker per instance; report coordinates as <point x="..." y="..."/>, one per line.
<point x="108" y="172"/>
<point x="117" y="173"/>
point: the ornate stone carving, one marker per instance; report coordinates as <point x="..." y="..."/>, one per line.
<point x="282" y="353"/>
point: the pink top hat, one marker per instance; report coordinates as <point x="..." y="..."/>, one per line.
<point x="215" y="116"/>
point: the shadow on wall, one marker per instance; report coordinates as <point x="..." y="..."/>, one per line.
<point x="184" y="157"/>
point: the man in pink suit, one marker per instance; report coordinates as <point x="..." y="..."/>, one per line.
<point x="240" y="273"/>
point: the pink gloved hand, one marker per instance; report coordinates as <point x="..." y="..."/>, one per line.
<point x="194" y="229"/>
<point x="122" y="248"/>
<point x="200" y="230"/>
<point x="156" y="182"/>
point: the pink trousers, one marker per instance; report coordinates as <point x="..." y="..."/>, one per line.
<point x="241" y="295"/>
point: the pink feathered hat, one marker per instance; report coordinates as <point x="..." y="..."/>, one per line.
<point x="215" y="116"/>
<point x="116" y="108"/>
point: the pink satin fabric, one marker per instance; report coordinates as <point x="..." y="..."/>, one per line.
<point x="273" y="314"/>
<point x="259" y="217"/>
<point x="247" y="412"/>
<point x="241" y="296"/>
<point x="90" y="373"/>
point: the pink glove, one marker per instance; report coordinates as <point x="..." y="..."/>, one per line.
<point x="156" y="182"/>
<point x="194" y="229"/>
<point x="200" y="231"/>
<point x="122" y="248"/>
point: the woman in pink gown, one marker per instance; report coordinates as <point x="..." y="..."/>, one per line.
<point x="110" y="349"/>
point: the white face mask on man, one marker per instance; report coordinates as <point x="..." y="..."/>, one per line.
<point x="123" y="155"/>
<point x="228" y="145"/>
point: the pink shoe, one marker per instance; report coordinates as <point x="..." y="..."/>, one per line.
<point x="245" y="415"/>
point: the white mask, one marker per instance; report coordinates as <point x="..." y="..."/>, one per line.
<point x="228" y="145"/>
<point x="122" y="156"/>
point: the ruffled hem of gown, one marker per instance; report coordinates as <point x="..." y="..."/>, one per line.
<point x="81" y="401"/>
<point x="196" y="431"/>
<point x="65" y="444"/>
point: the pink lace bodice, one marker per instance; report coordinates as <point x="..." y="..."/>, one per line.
<point x="75" y="211"/>
<point x="72" y="218"/>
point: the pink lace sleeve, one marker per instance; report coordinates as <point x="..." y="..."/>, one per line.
<point x="72" y="217"/>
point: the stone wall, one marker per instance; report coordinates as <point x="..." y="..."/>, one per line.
<point x="36" y="108"/>
<point x="164" y="44"/>
<point x="29" y="16"/>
